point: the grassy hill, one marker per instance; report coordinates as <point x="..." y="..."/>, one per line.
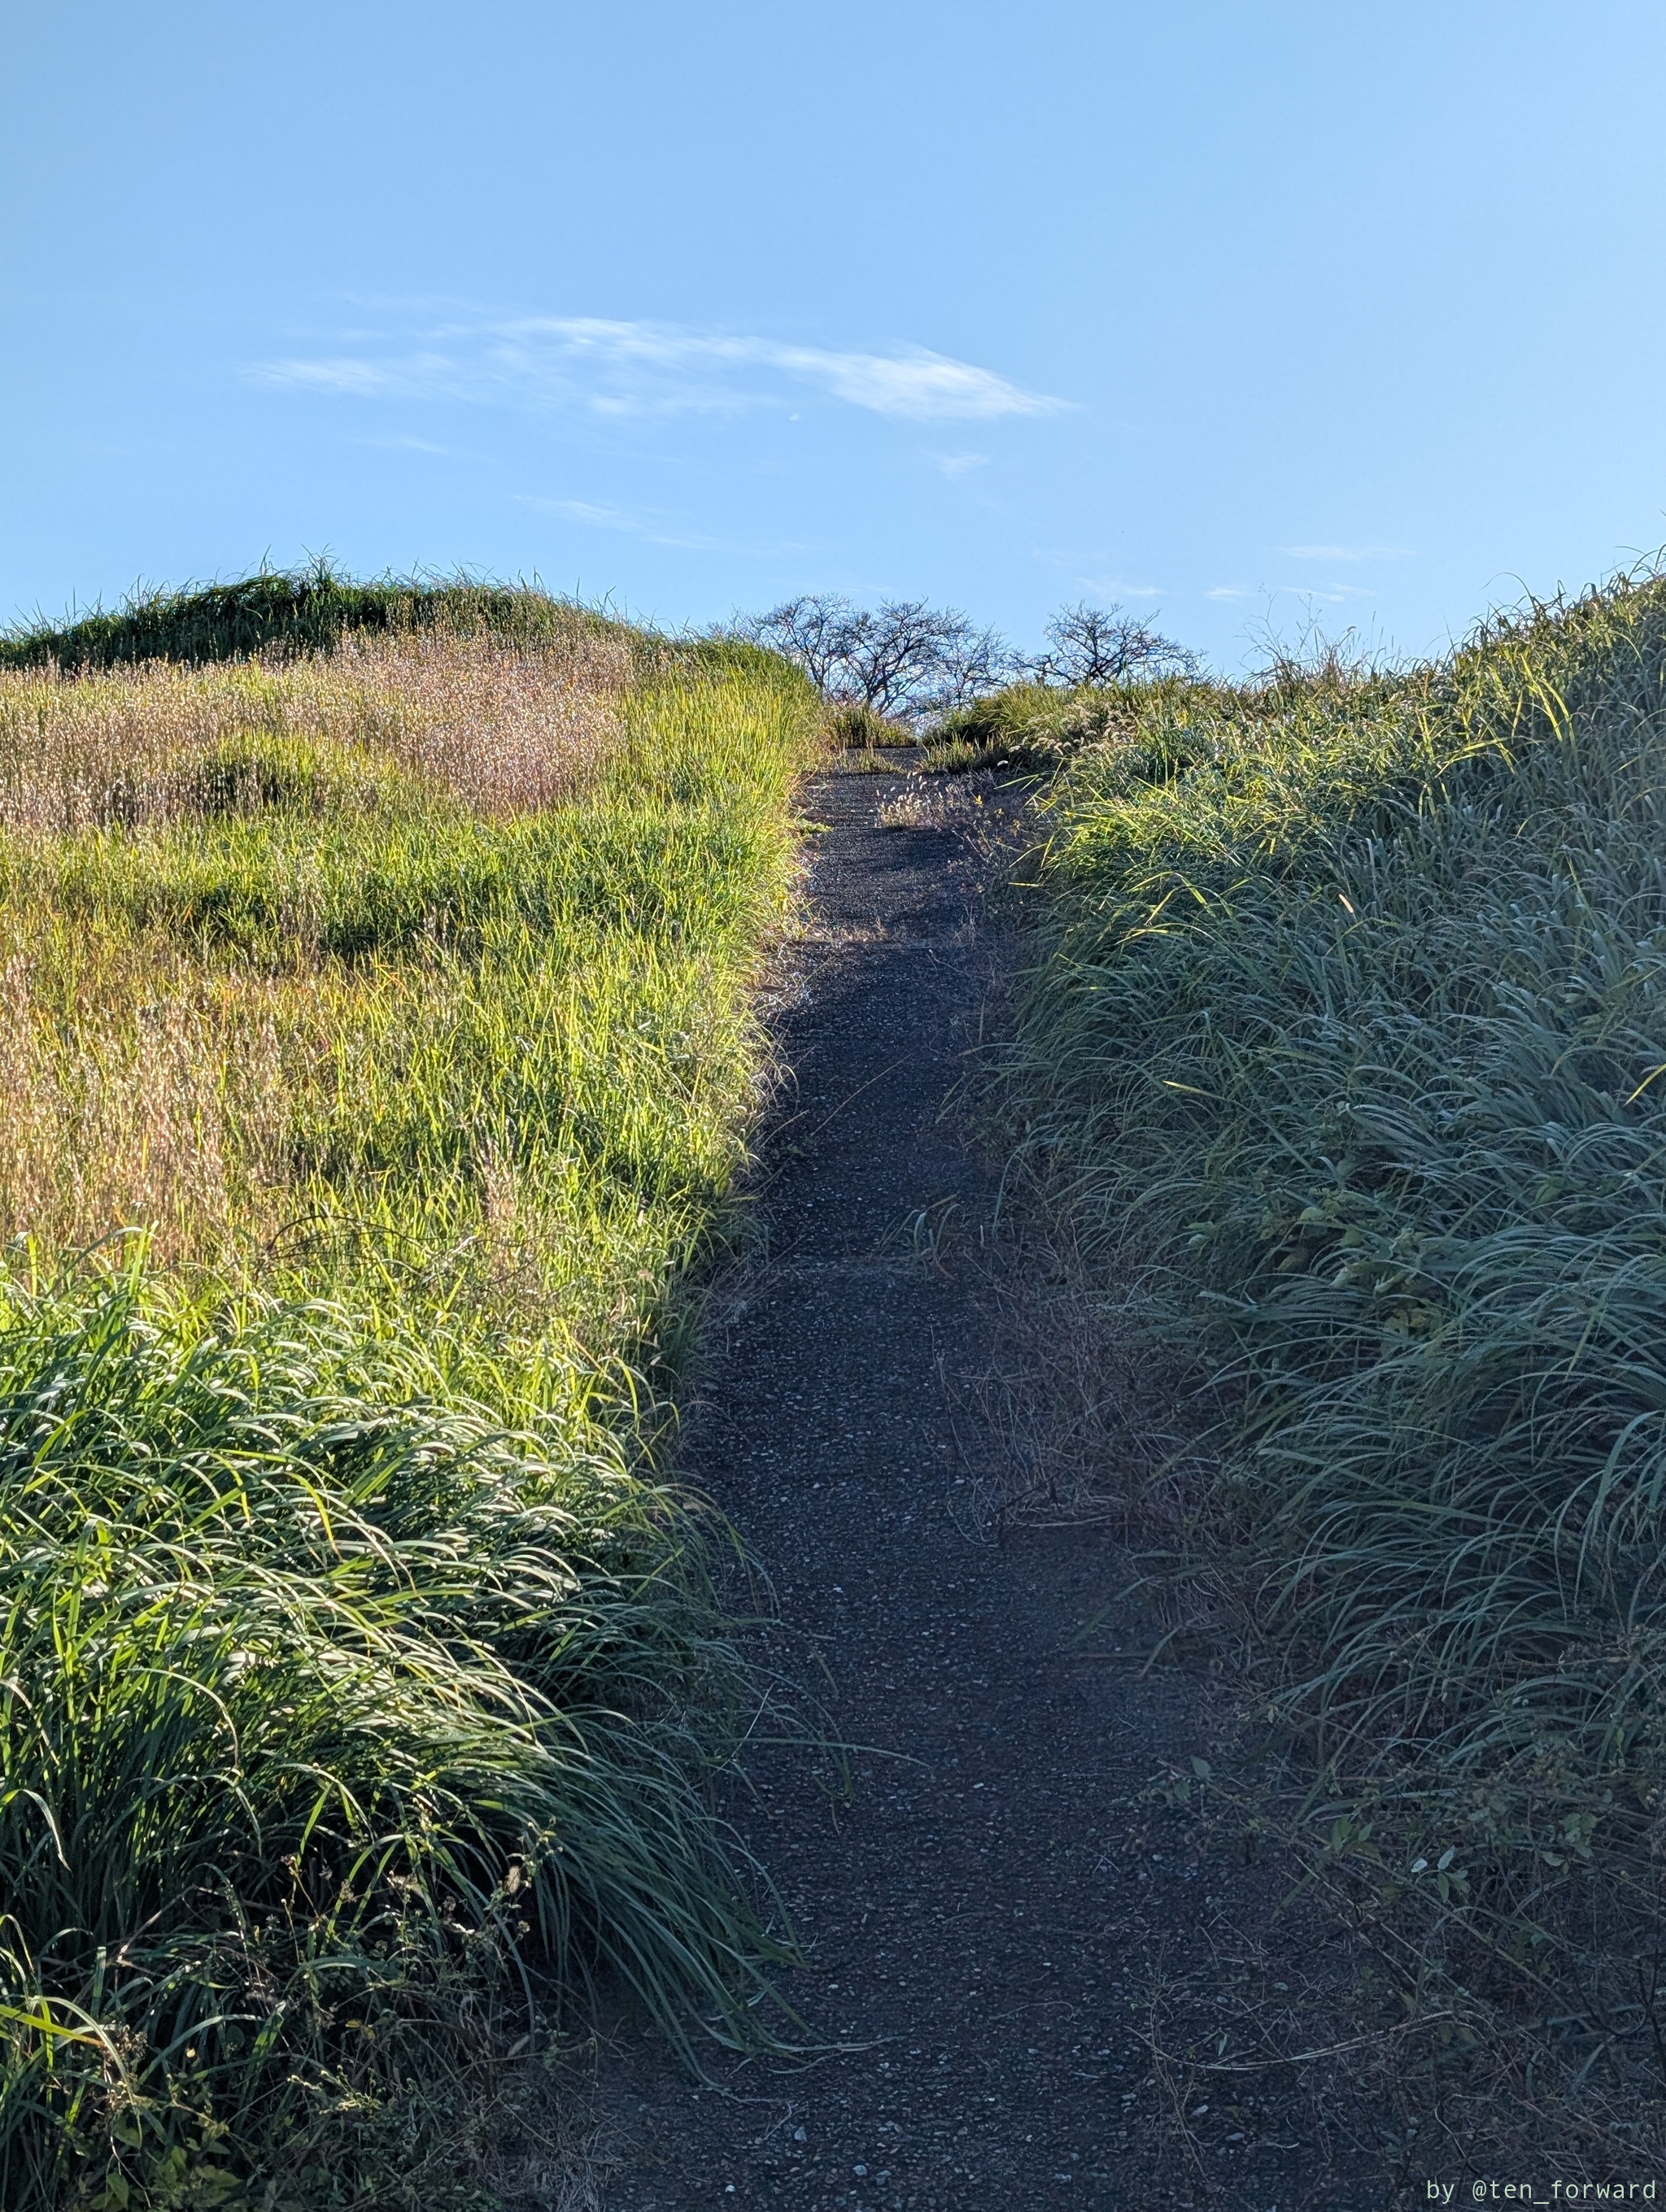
<point x="377" y="1062"/>
<point x="307" y="611"/>
<point x="1343" y="1057"/>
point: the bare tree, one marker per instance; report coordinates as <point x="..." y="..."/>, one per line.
<point x="974" y="662"/>
<point x="809" y="630"/>
<point x="902" y="657"/>
<point x="1102" y="645"/>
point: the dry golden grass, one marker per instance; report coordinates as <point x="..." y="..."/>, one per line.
<point x="167" y="1115"/>
<point x="509" y="727"/>
<point x="938" y="802"/>
<point x="142" y="1083"/>
<point x="299" y="954"/>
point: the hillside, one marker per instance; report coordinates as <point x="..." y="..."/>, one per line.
<point x="379" y="1058"/>
<point x="1340" y="1058"/>
<point x="383" y="1043"/>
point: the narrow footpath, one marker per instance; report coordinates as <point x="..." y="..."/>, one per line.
<point x="993" y="1912"/>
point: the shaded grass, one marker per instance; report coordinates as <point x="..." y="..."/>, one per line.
<point x="1344" y="1039"/>
<point x="324" y="1698"/>
<point x="304" y="611"/>
<point x="360" y="1683"/>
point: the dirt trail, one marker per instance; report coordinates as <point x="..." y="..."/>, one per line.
<point x="988" y="1914"/>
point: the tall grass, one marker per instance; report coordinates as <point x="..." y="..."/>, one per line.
<point x="377" y="1059"/>
<point x="1347" y="1035"/>
<point x="505" y="727"/>
<point x="300" y="999"/>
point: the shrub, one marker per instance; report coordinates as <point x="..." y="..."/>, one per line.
<point x="1036" y="727"/>
<point x="849" y="723"/>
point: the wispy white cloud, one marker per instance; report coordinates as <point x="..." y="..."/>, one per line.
<point x="584" y="510"/>
<point x="652" y="529"/>
<point x="1332" y="553"/>
<point x="960" y="465"/>
<point x="397" y="442"/>
<point x="362" y="379"/>
<point x="636" y="368"/>
<point x="1117" y="587"/>
<point x="1089" y="571"/>
<point x="1330" y="595"/>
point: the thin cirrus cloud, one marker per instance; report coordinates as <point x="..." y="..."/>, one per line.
<point x="1329" y="553"/>
<point x="1115" y="587"/>
<point x="1330" y="595"/>
<point x="652" y="529"/>
<point x="644" y="369"/>
<point x="398" y="443"/>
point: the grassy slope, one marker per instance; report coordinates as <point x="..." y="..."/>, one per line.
<point x="354" y="1660"/>
<point x="1344" y="1036"/>
<point x="307" y="611"/>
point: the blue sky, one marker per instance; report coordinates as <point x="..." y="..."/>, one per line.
<point x="1242" y="315"/>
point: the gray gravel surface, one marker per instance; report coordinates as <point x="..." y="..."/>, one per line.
<point x="991" y="1909"/>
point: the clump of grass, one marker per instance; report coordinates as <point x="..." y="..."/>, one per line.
<point x="305" y="999"/>
<point x="360" y="1675"/>
<point x="1346" y="1026"/>
<point x="323" y="1695"/>
<point x="1034" y="728"/>
<point x="930" y="803"/>
<point x="851" y="723"/>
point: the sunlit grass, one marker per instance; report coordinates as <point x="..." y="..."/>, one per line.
<point x="377" y="1059"/>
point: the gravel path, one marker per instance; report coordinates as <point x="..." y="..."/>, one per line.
<point x="990" y="1912"/>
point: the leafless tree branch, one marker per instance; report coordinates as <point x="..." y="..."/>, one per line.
<point x="1102" y="645"/>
